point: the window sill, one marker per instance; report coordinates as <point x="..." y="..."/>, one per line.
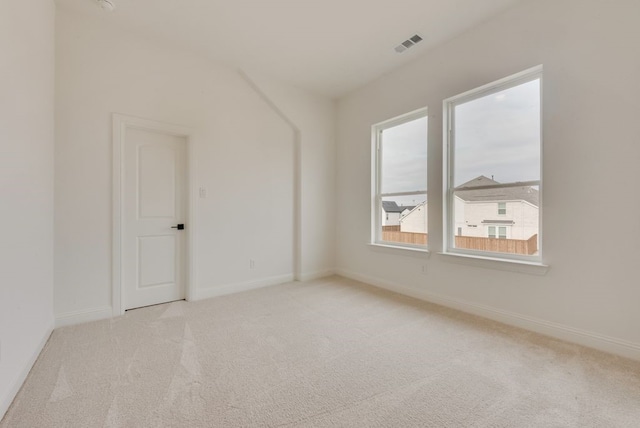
<point x="520" y="266"/>
<point x="397" y="249"/>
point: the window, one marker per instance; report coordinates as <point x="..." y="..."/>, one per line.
<point x="502" y="232"/>
<point x="493" y="151"/>
<point x="399" y="215"/>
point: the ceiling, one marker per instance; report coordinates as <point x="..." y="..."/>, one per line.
<point x="327" y="46"/>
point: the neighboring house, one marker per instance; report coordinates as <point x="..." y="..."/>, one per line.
<point x="504" y="212"/>
<point x="415" y="220"/>
<point x="392" y="212"/>
<point x="501" y="212"/>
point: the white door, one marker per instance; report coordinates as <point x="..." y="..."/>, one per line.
<point x="154" y="192"/>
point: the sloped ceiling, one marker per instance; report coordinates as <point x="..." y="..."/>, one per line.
<point x="327" y="46"/>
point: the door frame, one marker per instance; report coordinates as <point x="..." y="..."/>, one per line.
<point x="121" y="123"/>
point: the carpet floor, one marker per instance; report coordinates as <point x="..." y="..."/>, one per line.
<point x="330" y="352"/>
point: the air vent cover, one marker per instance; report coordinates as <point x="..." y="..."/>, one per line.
<point x="409" y="43"/>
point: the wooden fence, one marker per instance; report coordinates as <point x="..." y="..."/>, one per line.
<point x="404" y="237"/>
<point x="514" y="246"/>
<point x="395" y="228"/>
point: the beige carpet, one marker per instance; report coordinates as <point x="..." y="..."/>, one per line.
<point x="331" y="352"/>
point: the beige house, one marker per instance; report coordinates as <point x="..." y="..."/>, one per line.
<point x="392" y="213"/>
<point x="503" y="212"/>
<point x="415" y="220"/>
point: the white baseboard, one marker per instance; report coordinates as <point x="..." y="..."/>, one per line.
<point x="223" y="290"/>
<point x="589" y="339"/>
<point x="309" y="276"/>
<point x="85" y="315"/>
<point x="5" y="402"/>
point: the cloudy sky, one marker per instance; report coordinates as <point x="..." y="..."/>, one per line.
<point x="404" y="157"/>
<point x="497" y="135"/>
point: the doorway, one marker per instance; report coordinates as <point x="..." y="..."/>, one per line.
<point x="152" y="221"/>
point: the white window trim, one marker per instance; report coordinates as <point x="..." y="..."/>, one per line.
<point x="448" y="158"/>
<point x="488" y="262"/>
<point x="376" y="182"/>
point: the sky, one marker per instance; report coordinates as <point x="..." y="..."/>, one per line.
<point x="496" y="135"/>
<point x="499" y="135"/>
<point x="404" y="157"/>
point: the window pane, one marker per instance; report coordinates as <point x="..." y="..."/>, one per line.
<point x="498" y="136"/>
<point x="401" y="177"/>
<point x="404" y="219"/>
<point x="496" y="141"/>
<point x="404" y="157"/>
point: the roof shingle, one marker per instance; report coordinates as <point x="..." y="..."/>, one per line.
<point x="525" y="193"/>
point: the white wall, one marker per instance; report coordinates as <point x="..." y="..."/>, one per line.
<point x="26" y="177"/>
<point x="591" y="153"/>
<point x="245" y="159"/>
<point x="314" y="117"/>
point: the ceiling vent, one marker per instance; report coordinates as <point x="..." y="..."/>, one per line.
<point x="409" y="43"/>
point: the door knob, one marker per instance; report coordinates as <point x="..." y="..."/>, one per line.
<point x="179" y="227"/>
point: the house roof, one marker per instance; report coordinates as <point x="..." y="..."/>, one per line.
<point x="393" y="207"/>
<point x="525" y="193"/>
<point x="498" y="222"/>
<point x="412" y="209"/>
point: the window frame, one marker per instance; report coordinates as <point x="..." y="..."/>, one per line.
<point x="448" y="107"/>
<point x="496" y="231"/>
<point x="500" y="208"/>
<point x="376" y="178"/>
